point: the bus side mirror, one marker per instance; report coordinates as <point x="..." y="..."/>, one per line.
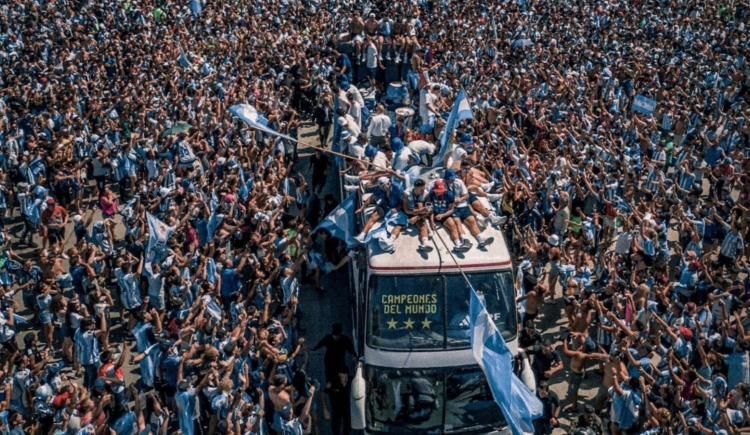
<point x="357" y="399"/>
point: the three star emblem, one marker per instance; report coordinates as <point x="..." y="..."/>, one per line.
<point x="408" y="323"/>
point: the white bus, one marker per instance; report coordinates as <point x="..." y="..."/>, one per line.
<point x="417" y="373"/>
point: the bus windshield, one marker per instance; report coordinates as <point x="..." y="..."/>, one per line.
<point x="429" y="401"/>
<point x="432" y="311"/>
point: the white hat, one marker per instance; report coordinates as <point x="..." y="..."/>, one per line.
<point x="553" y="240"/>
<point x="383" y="181"/>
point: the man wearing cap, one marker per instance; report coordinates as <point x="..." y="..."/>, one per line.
<point x="443" y="207"/>
<point x="401" y="154"/>
<point x="463" y="212"/>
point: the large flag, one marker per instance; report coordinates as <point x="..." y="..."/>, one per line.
<point x="159" y="234"/>
<point x="196" y="7"/>
<point x="519" y="404"/>
<point x="184" y="61"/>
<point x="244" y="186"/>
<point x="340" y="223"/>
<point x="251" y="117"/>
<point x="461" y="110"/>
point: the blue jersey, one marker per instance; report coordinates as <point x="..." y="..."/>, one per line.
<point x="442" y="203"/>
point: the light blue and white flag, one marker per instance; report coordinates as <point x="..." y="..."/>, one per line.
<point x="461" y="110"/>
<point x="518" y="403"/>
<point x="340" y="223"/>
<point x="159" y="234"/>
<point x="245" y="187"/>
<point x="184" y="61"/>
<point x="644" y="105"/>
<point x="196" y="7"/>
<point x="252" y="118"/>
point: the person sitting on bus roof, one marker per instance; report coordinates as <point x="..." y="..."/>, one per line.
<point x="443" y="207"/>
<point x="475" y="192"/>
<point x="415" y="200"/>
<point x="463" y="210"/>
<point x="388" y="200"/>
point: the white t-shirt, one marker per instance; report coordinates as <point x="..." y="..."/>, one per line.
<point x="401" y="159"/>
<point x="380" y="160"/>
<point x="455" y="156"/>
<point x="459" y="189"/>
<point x="349" y="123"/>
<point x="424" y="110"/>
<point x="422" y="147"/>
<point x="372" y="56"/>
<point x="356" y="150"/>
<point x="355" y="95"/>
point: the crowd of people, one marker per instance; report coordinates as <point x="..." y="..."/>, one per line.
<point x="143" y="224"/>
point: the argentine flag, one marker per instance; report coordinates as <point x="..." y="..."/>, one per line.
<point x="184" y="61"/>
<point x="159" y="234"/>
<point x="340" y="223"/>
<point x="519" y="404"/>
<point x="250" y="116"/>
<point x="461" y="110"/>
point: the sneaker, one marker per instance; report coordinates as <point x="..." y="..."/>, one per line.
<point x="352" y="179"/>
<point x="494" y="197"/>
<point x="485" y="242"/>
<point x="482" y="224"/>
<point x="351" y="188"/>
<point x="498" y="220"/>
<point x="424" y="248"/>
<point x="466" y="245"/>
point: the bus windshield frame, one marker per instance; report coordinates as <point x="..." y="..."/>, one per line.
<point x="431" y="312"/>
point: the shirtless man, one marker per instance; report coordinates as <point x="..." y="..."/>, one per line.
<point x="612" y="364"/>
<point x="533" y="300"/>
<point x="578" y="358"/>
<point x="280" y="394"/>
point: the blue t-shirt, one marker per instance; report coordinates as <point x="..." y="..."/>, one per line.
<point x="230" y="282"/>
<point x="443" y="203"/>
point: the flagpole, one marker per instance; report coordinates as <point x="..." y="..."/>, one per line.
<point x="335" y="153"/>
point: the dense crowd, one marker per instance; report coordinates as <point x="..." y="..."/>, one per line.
<point x="144" y="224"/>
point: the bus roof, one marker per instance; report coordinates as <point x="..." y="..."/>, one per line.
<point x="407" y="260"/>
